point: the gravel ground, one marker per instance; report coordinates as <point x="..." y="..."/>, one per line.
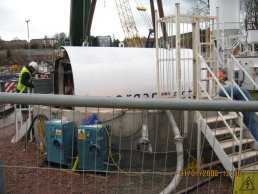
<point x="24" y="173"/>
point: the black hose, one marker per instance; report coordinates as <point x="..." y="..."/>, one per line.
<point x="241" y="82"/>
<point x="32" y="123"/>
<point x="121" y="114"/>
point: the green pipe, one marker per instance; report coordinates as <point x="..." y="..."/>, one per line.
<point x="79" y="13"/>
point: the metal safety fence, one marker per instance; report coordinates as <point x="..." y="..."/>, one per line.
<point x="113" y="145"/>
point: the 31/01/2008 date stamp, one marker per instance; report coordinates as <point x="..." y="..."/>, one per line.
<point x="209" y="173"/>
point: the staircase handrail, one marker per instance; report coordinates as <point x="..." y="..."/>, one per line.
<point x="235" y="43"/>
<point x="245" y="72"/>
<point x="213" y="76"/>
<point x="241" y="92"/>
<point x="226" y="94"/>
<point x="219" y="58"/>
<point x="219" y="113"/>
<point x="240" y="139"/>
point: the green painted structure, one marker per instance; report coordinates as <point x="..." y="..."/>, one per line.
<point x="81" y="14"/>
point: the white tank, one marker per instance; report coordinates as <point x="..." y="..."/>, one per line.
<point x="229" y="14"/>
<point x="121" y="72"/>
<point x="114" y="71"/>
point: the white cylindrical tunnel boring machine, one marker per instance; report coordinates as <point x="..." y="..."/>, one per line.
<point x="132" y="73"/>
<point x="113" y="71"/>
<point x="117" y="72"/>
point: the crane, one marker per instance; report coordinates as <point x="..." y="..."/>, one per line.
<point x="82" y="12"/>
<point x="132" y="36"/>
<point x="129" y="27"/>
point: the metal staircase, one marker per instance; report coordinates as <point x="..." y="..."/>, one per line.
<point x="226" y="133"/>
<point x="231" y="141"/>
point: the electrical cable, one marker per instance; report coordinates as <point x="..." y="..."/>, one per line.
<point x="121" y="114"/>
<point x="41" y="131"/>
<point x="129" y="173"/>
<point x="111" y="156"/>
<point x="242" y="81"/>
<point x="129" y="136"/>
<point x="40" y="116"/>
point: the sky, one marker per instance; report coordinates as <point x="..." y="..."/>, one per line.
<point x="48" y="17"/>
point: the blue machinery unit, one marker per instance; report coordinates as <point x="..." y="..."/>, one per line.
<point x="59" y="140"/>
<point x="92" y="147"/>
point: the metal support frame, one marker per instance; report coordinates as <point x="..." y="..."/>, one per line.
<point x="195" y="59"/>
<point x="19" y="116"/>
<point x="240" y="140"/>
<point x="199" y="137"/>
<point x="157" y="52"/>
<point x="178" y="53"/>
<point x="127" y="21"/>
<point x="215" y="47"/>
<point x="186" y="120"/>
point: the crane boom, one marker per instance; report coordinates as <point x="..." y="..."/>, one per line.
<point x="132" y="36"/>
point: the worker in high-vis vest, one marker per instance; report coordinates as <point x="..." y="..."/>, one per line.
<point x="25" y="78"/>
<point x="25" y="84"/>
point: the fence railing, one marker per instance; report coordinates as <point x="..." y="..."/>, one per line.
<point x="104" y="145"/>
<point x="124" y="102"/>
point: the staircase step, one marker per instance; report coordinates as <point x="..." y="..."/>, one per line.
<point x="214" y="119"/>
<point x="224" y="130"/>
<point x="206" y="43"/>
<point x="245" y="154"/>
<point x="208" y="60"/>
<point x="206" y="79"/>
<point x="227" y="49"/>
<point x="253" y="166"/>
<point x="232" y="142"/>
<point x="211" y="164"/>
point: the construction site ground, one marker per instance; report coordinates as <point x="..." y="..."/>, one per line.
<point x="23" y="172"/>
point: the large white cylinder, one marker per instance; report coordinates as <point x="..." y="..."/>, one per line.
<point x="124" y="72"/>
<point x="229" y="13"/>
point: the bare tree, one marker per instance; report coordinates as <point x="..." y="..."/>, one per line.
<point x="60" y="35"/>
<point x="56" y="36"/>
<point x="200" y="7"/>
<point x="250" y="14"/>
<point x="249" y="11"/>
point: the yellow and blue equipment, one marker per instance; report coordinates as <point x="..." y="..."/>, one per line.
<point x="59" y="141"/>
<point x="92" y="147"/>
